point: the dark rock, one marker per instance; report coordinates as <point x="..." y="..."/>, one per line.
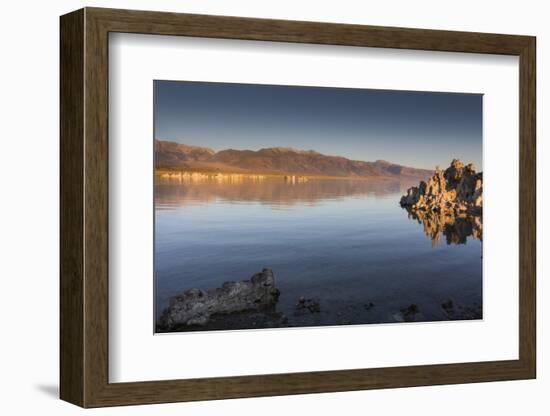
<point x="448" y="305"/>
<point x="456" y="312"/>
<point x="448" y="308"/>
<point x="307" y="305"/>
<point x="236" y="320"/>
<point x="369" y="306"/>
<point x="195" y="307"/>
<point x="409" y="313"/>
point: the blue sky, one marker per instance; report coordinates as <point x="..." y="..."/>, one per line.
<point x="419" y="129"/>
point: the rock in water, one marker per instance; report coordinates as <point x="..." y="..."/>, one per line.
<point x="409" y="313"/>
<point x="305" y="305"/>
<point x="196" y="306"/>
<point x="455" y="312"/>
<point x="458" y="189"/>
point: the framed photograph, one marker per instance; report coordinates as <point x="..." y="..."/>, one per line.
<point x="255" y="207"/>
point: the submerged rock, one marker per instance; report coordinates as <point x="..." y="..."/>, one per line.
<point x="307" y="305"/>
<point x="251" y="319"/>
<point x="409" y="313"/>
<point x="196" y="307"/>
<point x="458" y="189"/>
<point x="448" y="306"/>
<point x="455" y="312"/>
<point x="368" y="306"/>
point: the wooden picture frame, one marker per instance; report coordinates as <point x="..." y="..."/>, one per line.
<point x="84" y="207"/>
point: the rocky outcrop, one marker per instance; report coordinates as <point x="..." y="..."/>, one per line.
<point x="458" y="189"/>
<point x="196" y="307"/>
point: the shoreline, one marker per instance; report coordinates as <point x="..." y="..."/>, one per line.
<point x="290" y="177"/>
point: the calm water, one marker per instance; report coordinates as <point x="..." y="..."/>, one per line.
<point x="345" y="243"/>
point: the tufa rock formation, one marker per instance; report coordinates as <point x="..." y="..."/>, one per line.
<point x="449" y="204"/>
<point x="195" y="307"/>
<point x="457" y="190"/>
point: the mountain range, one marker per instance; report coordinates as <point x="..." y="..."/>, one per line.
<point x="275" y="160"/>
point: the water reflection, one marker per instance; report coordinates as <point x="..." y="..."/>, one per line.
<point x="275" y="191"/>
<point x="455" y="228"/>
<point x="342" y="251"/>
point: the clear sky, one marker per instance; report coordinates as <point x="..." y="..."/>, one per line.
<point x="418" y="129"/>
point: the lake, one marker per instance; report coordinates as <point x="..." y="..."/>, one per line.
<point x="347" y="244"/>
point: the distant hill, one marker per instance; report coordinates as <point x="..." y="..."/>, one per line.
<point x="275" y="160"/>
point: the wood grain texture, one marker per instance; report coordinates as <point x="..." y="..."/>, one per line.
<point x="71" y="185"/>
<point x="162" y="23"/>
<point x="84" y="204"/>
<point x="96" y="220"/>
<point x="527" y="207"/>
